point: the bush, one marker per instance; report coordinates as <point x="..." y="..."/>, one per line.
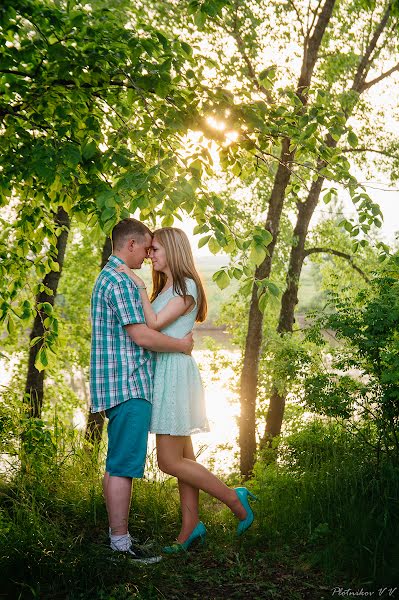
<point x="363" y="384"/>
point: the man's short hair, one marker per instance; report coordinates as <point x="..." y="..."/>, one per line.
<point x="128" y="229"/>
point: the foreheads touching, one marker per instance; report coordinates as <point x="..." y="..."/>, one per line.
<point x="129" y="230"/>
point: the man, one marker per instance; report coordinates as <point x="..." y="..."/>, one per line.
<point x="121" y="369"/>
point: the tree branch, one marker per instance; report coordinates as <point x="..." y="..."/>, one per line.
<point x="365" y="62"/>
<point x="300" y="20"/>
<point x="251" y="70"/>
<point x="340" y="255"/>
<point x="312" y="46"/>
<point x="367" y="84"/>
<point x="12" y="72"/>
<point x="314" y="15"/>
<point x="376" y="150"/>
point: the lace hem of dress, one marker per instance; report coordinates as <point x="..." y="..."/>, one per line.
<point x="179" y="433"/>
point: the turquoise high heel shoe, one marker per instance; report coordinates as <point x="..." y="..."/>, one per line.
<point x="243" y="494"/>
<point x="199" y="532"/>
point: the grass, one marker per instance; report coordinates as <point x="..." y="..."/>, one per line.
<point x="324" y="519"/>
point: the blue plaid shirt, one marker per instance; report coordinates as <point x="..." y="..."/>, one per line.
<point x="119" y="369"/>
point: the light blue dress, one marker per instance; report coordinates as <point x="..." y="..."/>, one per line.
<point x="178" y="406"/>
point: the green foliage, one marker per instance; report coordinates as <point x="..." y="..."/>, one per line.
<point x="90" y="113"/>
<point x="325" y="496"/>
<point x="262" y="106"/>
<point x="81" y="267"/>
<point x="363" y="380"/>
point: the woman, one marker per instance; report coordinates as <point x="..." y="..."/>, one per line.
<point x="178" y="301"/>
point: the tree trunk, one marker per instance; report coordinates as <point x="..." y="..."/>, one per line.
<point x="35" y="379"/>
<point x="249" y="374"/>
<point x="250" y="370"/>
<point x="275" y="414"/>
<point x="95" y="421"/>
<point x="289" y="300"/>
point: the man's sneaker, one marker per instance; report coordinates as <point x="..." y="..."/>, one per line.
<point x="138" y="555"/>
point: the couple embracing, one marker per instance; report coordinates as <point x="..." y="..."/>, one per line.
<point x="143" y="376"/>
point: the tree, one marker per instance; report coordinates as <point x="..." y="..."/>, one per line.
<point x="289" y="136"/>
<point x="90" y="109"/>
<point x="45" y="325"/>
<point x="379" y="27"/>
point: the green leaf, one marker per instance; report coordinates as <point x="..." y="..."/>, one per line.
<point x="89" y="150"/>
<point x="262" y="302"/>
<point x="236" y="169"/>
<point x="199" y="19"/>
<point x="148" y="46"/>
<point x="310" y="130"/>
<point x="47" y="308"/>
<point x="10" y="325"/>
<point x="108" y="214"/>
<point x="257" y="255"/>
<point x="347" y="225"/>
<point x="41" y="361"/>
<point x="54" y="266"/>
<point x="221" y="278"/>
<point x="186" y="48"/>
<point x="352" y="139"/>
<point x="72" y="155"/>
<point x="200" y="229"/>
<point x="246" y="287"/>
<point x="273" y="288"/>
<point x="104" y="197"/>
<point x="203" y="241"/>
<point x="213" y="245"/>
<point x="164" y="41"/>
<point x="167" y="221"/>
<point x="268" y="74"/>
<point x="266" y="237"/>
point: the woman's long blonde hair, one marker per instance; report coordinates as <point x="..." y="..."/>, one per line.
<point x="181" y="264"/>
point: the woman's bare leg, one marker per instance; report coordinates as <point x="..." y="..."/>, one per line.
<point x="171" y="460"/>
<point x="189" y="498"/>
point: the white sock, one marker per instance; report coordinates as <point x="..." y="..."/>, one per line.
<point x="121" y="542"/>
<point x="110" y="533"/>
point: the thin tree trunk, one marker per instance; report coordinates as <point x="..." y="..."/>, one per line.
<point x="250" y="370"/>
<point x="95" y="421"/>
<point x="275" y="414"/>
<point x="249" y="374"/>
<point x="289" y="300"/>
<point x="34" y="388"/>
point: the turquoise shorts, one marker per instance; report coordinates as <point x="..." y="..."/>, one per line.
<point x="128" y="427"/>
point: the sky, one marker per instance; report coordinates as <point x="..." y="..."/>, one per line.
<point x="389" y="204"/>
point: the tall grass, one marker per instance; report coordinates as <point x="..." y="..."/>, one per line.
<point x="330" y="497"/>
<point x="326" y="517"/>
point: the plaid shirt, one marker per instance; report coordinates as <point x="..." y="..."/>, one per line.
<point x="119" y="369"/>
